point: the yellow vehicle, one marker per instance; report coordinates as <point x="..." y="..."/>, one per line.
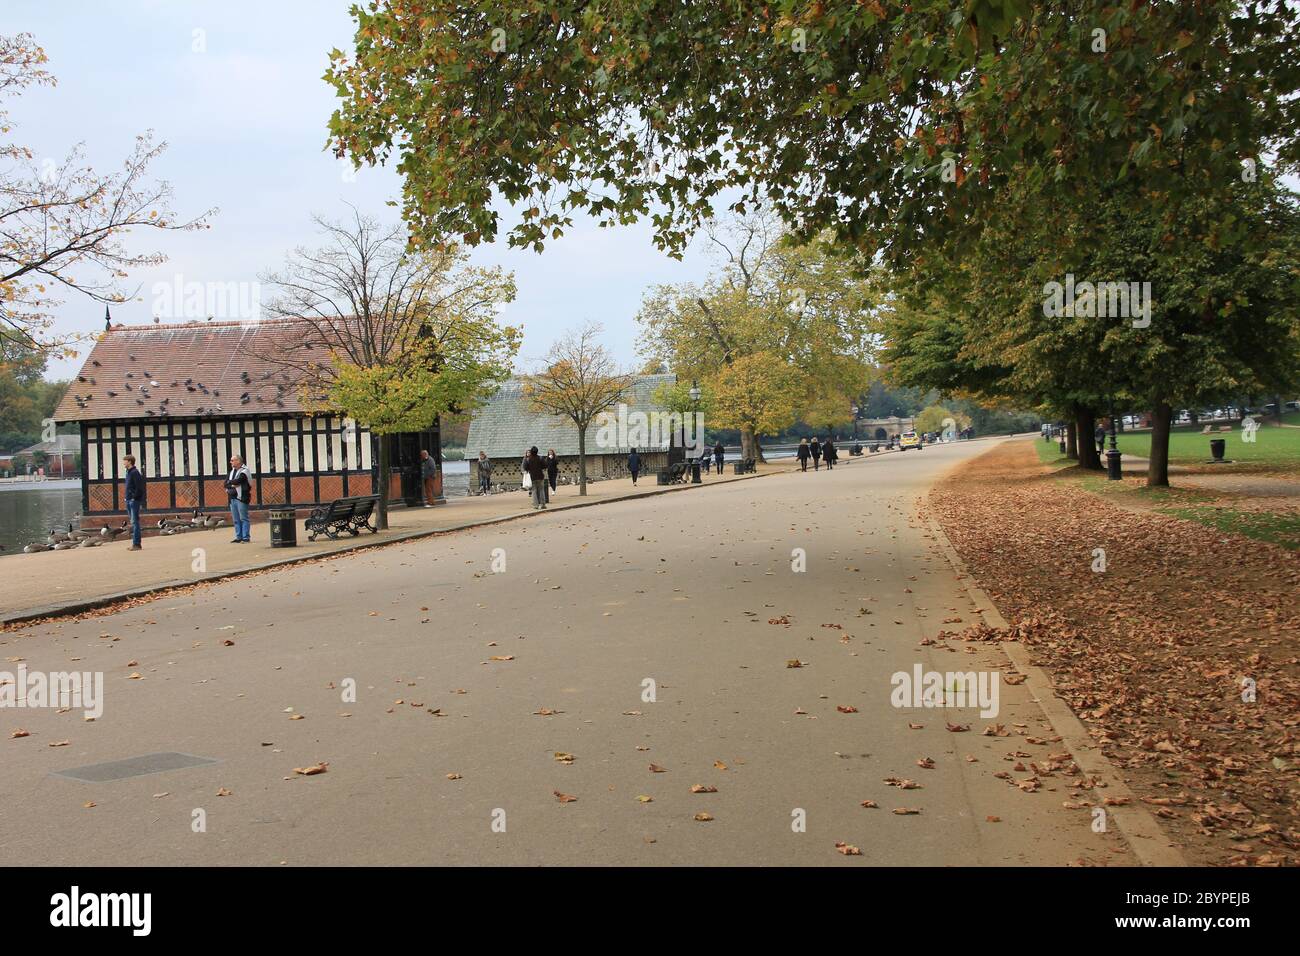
<point x="909" y="440"/>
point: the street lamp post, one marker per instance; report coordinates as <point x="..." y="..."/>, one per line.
<point x="699" y="433"/>
<point x="1112" y="453"/>
<point x="855" y="424"/>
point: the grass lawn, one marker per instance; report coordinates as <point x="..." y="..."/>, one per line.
<point x="1279" y="529"/>
<point x="1187" y="446"/>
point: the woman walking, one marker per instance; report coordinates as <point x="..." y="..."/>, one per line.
<point x="829" y="452"/>
<point x="552" y="471"/>
<point x="535" y="468"/>
<point x="816" y="449"/>
<point x="804" y="453"/>
<point x="719" y="453"/>
<point x="484" y="473"/>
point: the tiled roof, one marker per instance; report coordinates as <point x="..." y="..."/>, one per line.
<point x="507" y="427"/>
<point x="177" y="371"/>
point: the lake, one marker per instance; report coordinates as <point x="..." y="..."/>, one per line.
<point x="28" y="511"/>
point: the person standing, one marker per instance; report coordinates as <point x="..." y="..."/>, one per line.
<point x="239" y="488"/>
<point x="816" y="448"/>
<point x="719" y="454"/>
<point x="484" y="473"/>
<point x="1100" y="436"/>
<point x="135" y="492"/>
<point x="552" y="470"/>
<point x="829" y="452"/>
<point x="803" y="454"/>
<point x="634" y="465"/>
<point x="428" y="473"/>
<point x="535" y="468"/>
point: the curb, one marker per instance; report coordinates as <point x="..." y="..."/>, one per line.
<point x="82" y="605"/>
<point x="1150" y="844"/>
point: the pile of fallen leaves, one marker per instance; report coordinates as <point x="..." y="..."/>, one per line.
<point x="1180" y="656"/>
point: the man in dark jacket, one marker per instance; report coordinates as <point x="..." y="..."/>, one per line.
<point x="829" y="451"/>
<point x="428" y="473"/>
<point x="134" y="498"/>
<point x="536" y="468"/>
<point x="719" y="455"/>
<point x="816" y="448"/>
<point x="634" y="465"/>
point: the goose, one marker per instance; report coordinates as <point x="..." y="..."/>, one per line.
<point x="64" y="546"/>
<point x="56" y="536"/>
<point x="89" y="543"/>
<point x="163" y="524"/>
<point x="111" y="533"/>
<point x="35" y="547"/>
<point x="197" y="520"/>
<point x="210" y="522"/>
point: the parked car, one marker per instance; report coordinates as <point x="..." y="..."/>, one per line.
<point x="909" y="440"/>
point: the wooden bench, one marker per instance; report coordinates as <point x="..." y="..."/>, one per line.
<point x="744" y="466"/>
<point x="344" y="514"/>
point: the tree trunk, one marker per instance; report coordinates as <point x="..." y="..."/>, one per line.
<point x="1158" y="465"/>
<point x="1071" y="440"/>
<point x="749" y="447"/>
<point x="381" y="509"/>
<point x="1277" y="408"/>
<point x="1086" y="427"/>
<point x="582" y="462"/>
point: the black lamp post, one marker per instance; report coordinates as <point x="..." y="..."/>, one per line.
<point x="1112" y="453"/>
<point x="699" y="436"/>
<point x="855" y="424"/>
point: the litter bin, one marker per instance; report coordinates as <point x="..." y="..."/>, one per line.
<point x="1217" y="446"/>
<point x="284" y="528"/>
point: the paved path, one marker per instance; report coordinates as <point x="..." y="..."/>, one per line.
<point x="676" y="589"/>
<point x="37" y="583"/>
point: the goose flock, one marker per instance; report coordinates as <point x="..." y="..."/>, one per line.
<point x="93" y="538"/>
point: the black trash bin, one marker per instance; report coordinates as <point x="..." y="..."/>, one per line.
<point x="1217" y="446"/>
<point x="284" y="528"/>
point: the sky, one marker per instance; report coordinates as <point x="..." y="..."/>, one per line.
<point x="235" y="90"/>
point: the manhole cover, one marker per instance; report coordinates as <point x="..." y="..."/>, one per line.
<point x="134" y="767"/>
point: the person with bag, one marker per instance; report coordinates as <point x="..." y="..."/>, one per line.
<point x="535" y="470"/>
<point x="239" y="488"/>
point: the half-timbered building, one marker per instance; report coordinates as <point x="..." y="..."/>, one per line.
<point x="184" y="398"/>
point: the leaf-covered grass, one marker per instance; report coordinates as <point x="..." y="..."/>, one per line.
<point x="1275" y="528"/>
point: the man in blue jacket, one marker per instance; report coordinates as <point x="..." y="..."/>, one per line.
<point x="134" y="498"/>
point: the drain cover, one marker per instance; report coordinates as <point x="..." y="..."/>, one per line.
<point x="134" y="767"/>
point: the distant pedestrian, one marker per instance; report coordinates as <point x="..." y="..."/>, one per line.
<point x="706" y="460"/>
<point x="428" y="473"/>
<point x="803" y="454"/>
<point x="552" y="470"/>
<point x="1100" y="436"/>
<point x="634" y="465"/>
<point x="816" y="448"/>
<point x="829" y="452"/>
<point x="238" y="488"/>
<point x="719" y="454"/>
<point x="484" y="473"/>
<point x="135" y="494"/>
<point x="535" y="468"/>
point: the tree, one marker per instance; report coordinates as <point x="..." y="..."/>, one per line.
<point x="755" y="393"/>
<point x="390" y="337"/>
<point x="62" y="224"/>
<point x="580" y="381"/>
<point x="801" y="303"/>
<point x="891" y="123"/>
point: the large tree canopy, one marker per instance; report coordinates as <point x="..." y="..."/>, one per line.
<point x="892" y="123"/>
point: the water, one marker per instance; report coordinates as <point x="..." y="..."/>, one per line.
<point x="29" y="510"/>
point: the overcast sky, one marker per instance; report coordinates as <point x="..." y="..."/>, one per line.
<point x="245" y="122"/>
